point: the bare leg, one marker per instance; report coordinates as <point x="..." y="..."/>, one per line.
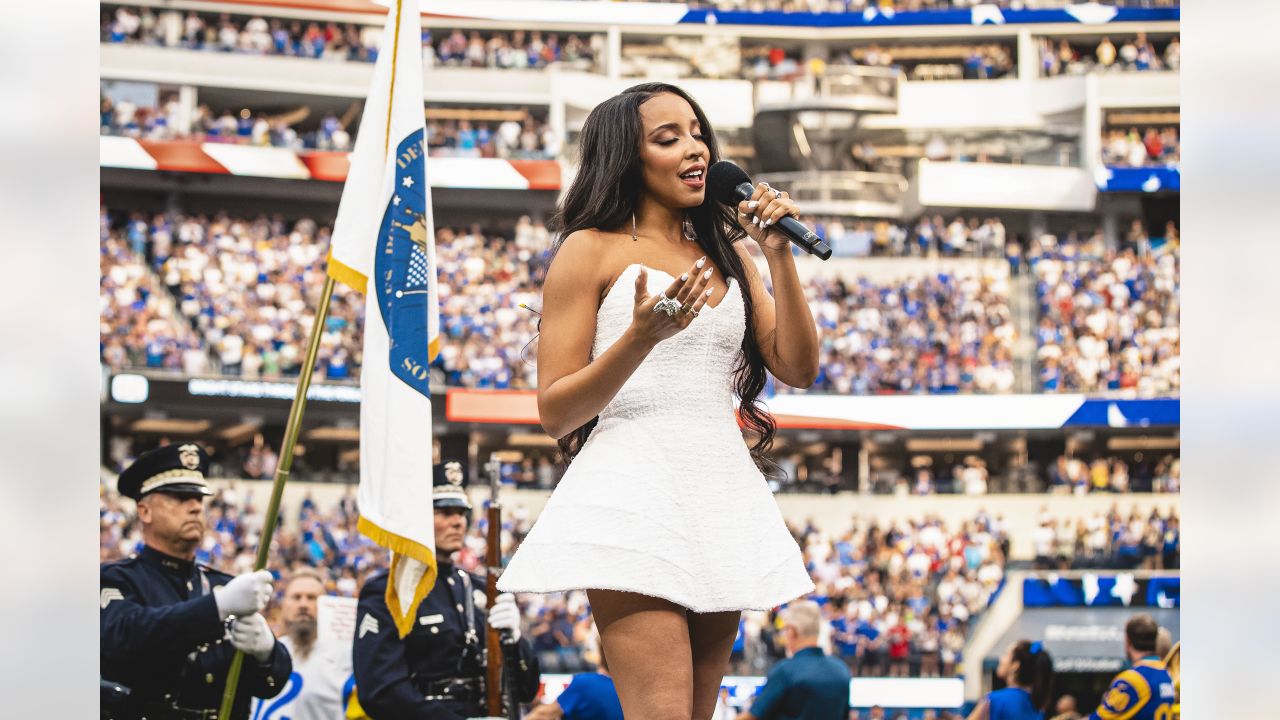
<point x="646" y="642"/>
<point x="711" y="638"/>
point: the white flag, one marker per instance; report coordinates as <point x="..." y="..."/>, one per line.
<point x="384" y="246"/>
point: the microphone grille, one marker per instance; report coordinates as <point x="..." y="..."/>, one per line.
<point x="722" y="178"/>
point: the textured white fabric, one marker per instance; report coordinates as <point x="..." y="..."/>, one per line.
<point x="664" y="498"/>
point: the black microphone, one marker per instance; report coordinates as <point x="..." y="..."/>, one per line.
<point x="730" y="185"/>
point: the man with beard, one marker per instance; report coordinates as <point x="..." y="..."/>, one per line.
<point x="321" y="678"/>
<point x="169" y="626"/>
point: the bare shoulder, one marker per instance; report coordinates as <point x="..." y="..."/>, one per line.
<point x="578" y="262"/>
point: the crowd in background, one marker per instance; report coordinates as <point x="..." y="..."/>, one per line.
<point x="524" y="137"/>
<point x="927" y="237"/>
<point x="1110" y="474"/>
<point x="248" y="289"/>
<point x="899" y="596"/>
<point x="933" y="333"/>
<point x="1134" y="54"/>
<point x="1151" y="147"/>
<point x="1109" y="540"/>
<point x="1108" y="315"/>
<point x="326" y="40"/>
<point x="234" y="296"/>
<point x="137" y="322"/>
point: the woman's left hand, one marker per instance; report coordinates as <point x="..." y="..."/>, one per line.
<point x="759" y="216"/>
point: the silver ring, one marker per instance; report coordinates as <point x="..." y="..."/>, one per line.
<point x="777" y="194"/>
<point x="693" y="313"/>
<point x="667" y="305"/>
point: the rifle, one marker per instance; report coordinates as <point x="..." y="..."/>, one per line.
<point x="498" y="650"/>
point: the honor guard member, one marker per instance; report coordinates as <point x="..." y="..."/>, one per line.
<point x="1144" y="691"/>
<point x="169" y="626"/>
<point x="437" y="672"/>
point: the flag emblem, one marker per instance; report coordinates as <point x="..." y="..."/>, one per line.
<point x="401" y="267"/>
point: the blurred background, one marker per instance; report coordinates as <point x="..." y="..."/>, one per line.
<point x="992" y="449"/>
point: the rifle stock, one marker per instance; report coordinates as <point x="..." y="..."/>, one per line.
<point x="493" y="643"/>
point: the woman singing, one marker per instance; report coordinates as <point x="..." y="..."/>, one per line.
<point x="664" y="516"/>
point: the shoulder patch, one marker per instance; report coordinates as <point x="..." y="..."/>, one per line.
<point x="107" y="595"/>
<point x="369" y="625"/>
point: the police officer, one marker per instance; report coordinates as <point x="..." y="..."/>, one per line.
<point x="170" y="626"/>
<point x="437" y="672"/>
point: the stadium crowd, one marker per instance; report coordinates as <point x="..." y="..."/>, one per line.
<point x="939" y="333"/>
<point x="246" y="287"/>
<point x="326" y="40"/>
<point x="1109" y="540"/>
<point x="240" y="294"/>
<point x="1108" y="315"/>
<point x="525" y="137"/>
<point x="1146" y="148"/>
<point x="928" y="237"/>
<point x="1109" y="474"/>
<point x="1135" y="54"/>
<point x="136" y="318"/>
<point x="899" y="596"/>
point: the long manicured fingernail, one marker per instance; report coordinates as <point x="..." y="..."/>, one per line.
<point x="684" y="277"/>
<point x="709" y="291"/>
<point x="768" y="222"/>
<point x="701" y="261"/>
<point x="707" y="275"/>
<point x="753" y="204"/>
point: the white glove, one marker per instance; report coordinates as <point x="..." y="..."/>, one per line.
<point x="251" y="635"/>
<point x="504" y="615"/>
<point x="244" y="595"/>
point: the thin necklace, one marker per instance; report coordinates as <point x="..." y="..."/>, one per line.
<point x="686" y="229"/>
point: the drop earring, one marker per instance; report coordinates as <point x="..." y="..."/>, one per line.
<point x="687" y="228"/>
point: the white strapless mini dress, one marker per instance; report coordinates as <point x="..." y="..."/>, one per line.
<point x="663" y="498"/>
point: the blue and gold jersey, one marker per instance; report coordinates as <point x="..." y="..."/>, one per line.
<point x="1143" y="692"/>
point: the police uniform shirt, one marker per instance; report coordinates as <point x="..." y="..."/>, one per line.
<point x="318" y="686"/>
<point x="1143" y="692"/>
<point x="394" y="675"/>
<point x="807" y="686"/>
<point x="161" y="637"/>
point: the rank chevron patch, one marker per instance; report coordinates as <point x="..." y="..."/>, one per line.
<point x="107" y="595"/>
<point x="368" y="625"/>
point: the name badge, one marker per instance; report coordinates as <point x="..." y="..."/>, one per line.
<point x="431" y="619"/>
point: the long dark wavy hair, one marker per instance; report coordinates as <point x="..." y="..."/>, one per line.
<point x="604" y="195"/>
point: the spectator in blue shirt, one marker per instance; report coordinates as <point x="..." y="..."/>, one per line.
<point x="590" y="696"/>
<point x="808" y="685"/>
<point x="1028" y="671"/>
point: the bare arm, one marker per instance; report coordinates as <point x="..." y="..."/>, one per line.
<point x="572" y="388"/>
<point x="790" y="346"/>
<point x="981" y="711"/>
